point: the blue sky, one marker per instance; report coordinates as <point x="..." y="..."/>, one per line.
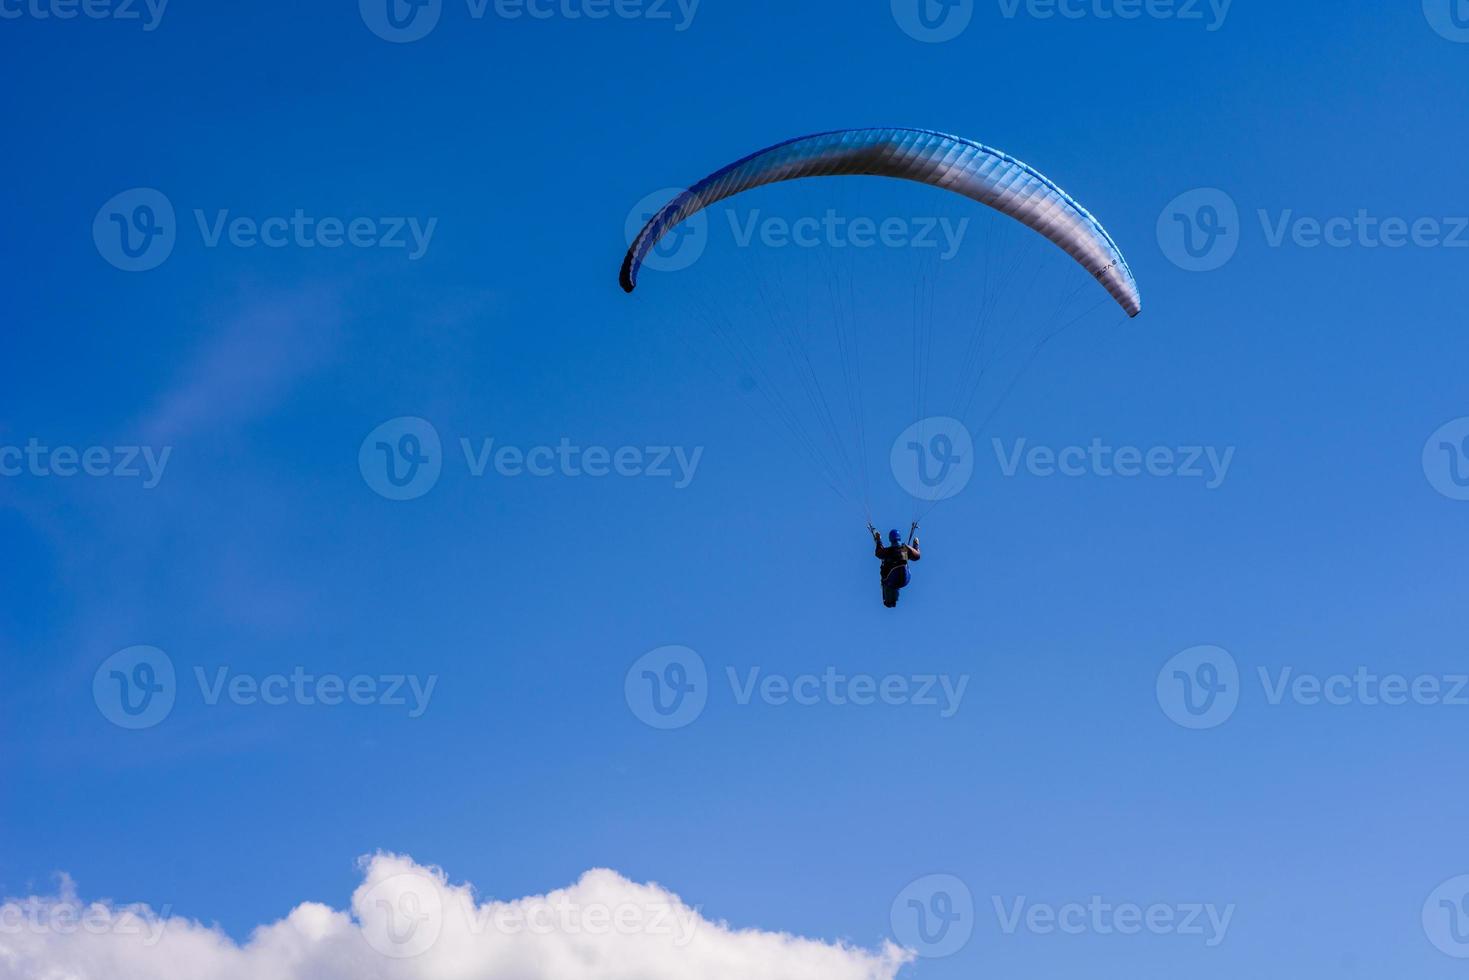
<point x="519" y="146"/>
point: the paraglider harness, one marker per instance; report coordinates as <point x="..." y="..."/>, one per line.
<point x="894" y="570"/>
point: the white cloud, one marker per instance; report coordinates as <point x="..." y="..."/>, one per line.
<point x="250" y="363"/>
<point x="408" y="922"/>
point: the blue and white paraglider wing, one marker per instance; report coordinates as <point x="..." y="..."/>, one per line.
<point x="949" y="162"/>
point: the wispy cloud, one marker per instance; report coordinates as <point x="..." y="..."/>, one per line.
<point x="250" y="363"/>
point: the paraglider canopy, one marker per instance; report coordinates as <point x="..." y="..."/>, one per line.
<point x="937" y="159"/>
